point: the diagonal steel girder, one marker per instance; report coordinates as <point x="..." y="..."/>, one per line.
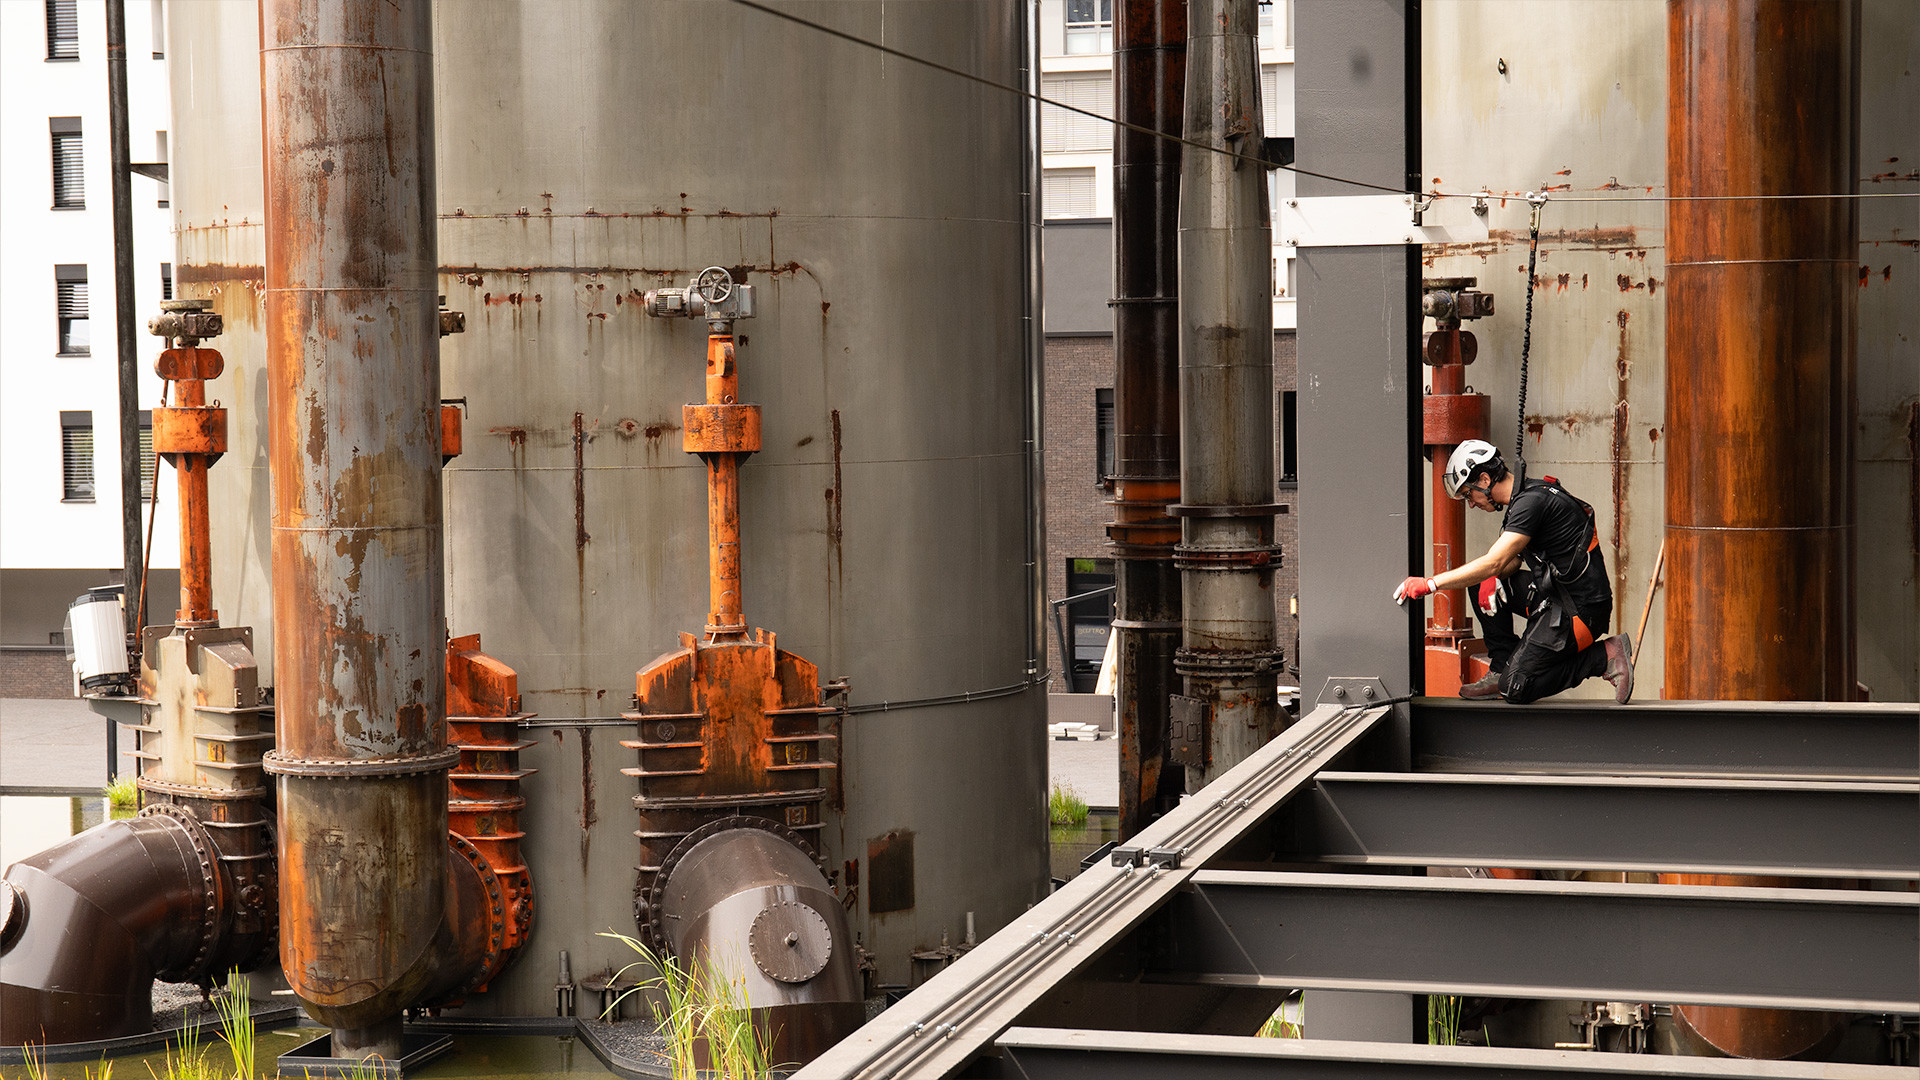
<point x="953" y="1017"/>
<point x="1691" y="825"/>
<point x="1808" y="740"/>
<point x="1076" y="1054"/>
<point x="1780" y="948"/>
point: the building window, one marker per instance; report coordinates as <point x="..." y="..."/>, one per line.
<point x="76" y="456"/>
<point x="63" y="30"/>
<point x="1103" y="433"/>
<point x="69" y="181"/>
<point x="1089" y="26"/>
<point x="1063" y="132"/>
<point x="160" y="156"/>
<point x="149" y="465"/>
<point x="159" y="32"/>
<point x="1067" y="193"/>
<point x="1269" y="98"/>
<point x="70" y="303"/>
<point x="1088" y="621"/>
<point x="166" y="281"/>
<point x="1289" y="443"/>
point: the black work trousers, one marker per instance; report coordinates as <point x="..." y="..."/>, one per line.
<point x="1544" y="659"/>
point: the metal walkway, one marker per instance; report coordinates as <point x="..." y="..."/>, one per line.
<point x="1284" y="874"/>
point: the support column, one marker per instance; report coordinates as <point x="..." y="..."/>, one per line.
<point x="1149" y="67"/>
<point x="1229" y="659"/>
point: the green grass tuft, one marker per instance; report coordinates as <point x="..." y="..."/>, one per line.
<point x="704" y="1016"/>
<point x="1278" y="1026"/>
<point x="236" y="1024"/>
<point x="1443" y="1020"/>
<point x="1065" y="806"/>
<point x="122" y="794"/>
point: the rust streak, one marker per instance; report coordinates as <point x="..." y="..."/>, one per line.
<point x="589" y="816"/>
<point x="1913" y="469"/>
<point x="580" y="536"/>
<point x="1623" y="367"/>
<point x="834" y="506"/>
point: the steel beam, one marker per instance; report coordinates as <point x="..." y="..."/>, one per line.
<point x="1782" y="948"/>
<point x="1808" y="740"/>
<point x="957" y="1014"/>
<point x="1069" y="1054"/>
<point x="1700" y="826"/>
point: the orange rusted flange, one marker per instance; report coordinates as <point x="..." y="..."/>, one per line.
<point x="191" y="436"/>
<point x="449" y="433"/>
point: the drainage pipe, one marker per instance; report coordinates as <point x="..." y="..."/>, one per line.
<point x="354" y="393"/>
<point x="1762" y="99"/>
<point x="1150" y="70"/>
<point x="1228" y="657"/>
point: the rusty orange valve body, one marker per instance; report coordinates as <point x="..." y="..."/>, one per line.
<point x="191" y="435"/>
<point x="729" y="723"/>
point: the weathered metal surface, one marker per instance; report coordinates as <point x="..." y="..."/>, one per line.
<point x="1149" y="73"/>
<point x="1057" y="1054"/>
<point x="1826" y="948"/>
<point x="1760" y="355"/>
<point x="1783" y="740"/>
<point x="743" y="896"/>
<point x="353" y="372"/>
<point x="890" y="522"/>
<point x="191" y="436"/>
<point x="484" y="800"/>
<point x="1641" y="824"/>
<point x="1229" y="654"/>
<point x="97" y="918"/>
<point x="951" y="1019"/>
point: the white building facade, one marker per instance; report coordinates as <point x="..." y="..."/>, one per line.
<point x="60" y="492"/>
<point x="1076" y="68"/>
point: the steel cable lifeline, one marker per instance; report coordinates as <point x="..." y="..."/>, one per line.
<point x="1538" y="201"/>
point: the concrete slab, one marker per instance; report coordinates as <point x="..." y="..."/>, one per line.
<point x="1092" y="769"/>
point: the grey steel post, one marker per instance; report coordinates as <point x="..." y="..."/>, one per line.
<point x="1228" y="658"/>
<point x="1149" y="71"/>
<point x="126" y="337"/>
<point x="1357" y="85"/>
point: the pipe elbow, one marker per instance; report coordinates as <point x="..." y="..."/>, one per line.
<point x="87" y="925"/>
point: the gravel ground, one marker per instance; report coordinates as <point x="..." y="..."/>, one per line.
<point x="637" y="1043"/>
<point x="177" y="1004"/>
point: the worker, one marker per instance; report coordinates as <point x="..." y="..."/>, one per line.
<point x="1547" y="567"/>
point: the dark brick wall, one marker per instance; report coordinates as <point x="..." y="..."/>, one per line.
<point x="35" y="673"/>
<point x="1077" y="507"/>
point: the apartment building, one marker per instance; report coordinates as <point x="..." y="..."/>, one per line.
<point x="1076" y="68"/>
<point x="60" y="494"/>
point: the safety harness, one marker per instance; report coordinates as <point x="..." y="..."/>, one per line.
<point x="1548" y="582"/>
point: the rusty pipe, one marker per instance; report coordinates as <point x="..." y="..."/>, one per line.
<point x="1150" y="70"/>
<point x="1229" y="655"/>
<point x="724" y="433"/>
<point x="354" y="397"/>
<point x="192" y="436"/>
<point x="1760" y="381"/>
<point x="87" y="925"/>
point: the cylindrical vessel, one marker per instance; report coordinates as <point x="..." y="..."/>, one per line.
<point x="1149" y="73"/>
<point x="593" y="150"/>
<point x="359" y="636"/>
<point x="1228" y="652"/>
<point x="1760" y="350"/>
<point x="1760" y="382"/>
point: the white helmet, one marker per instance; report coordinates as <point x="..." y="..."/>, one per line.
<point x="1467" y="459"/>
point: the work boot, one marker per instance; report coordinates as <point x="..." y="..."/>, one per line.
<point x="1619" y="667"/>
<point x="1486" y="686"/>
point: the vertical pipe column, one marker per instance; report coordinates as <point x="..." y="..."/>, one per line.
<point x="724" y="433"/>
<point x="354" y="395"/>
<point x="1228" y="655"/>
<point x="1760" y="381"/>
<point x="191" y="437"/>
<point x="1760" y="350"/>
<point x="126" y="337"/>
<point x="1150" y="70"/>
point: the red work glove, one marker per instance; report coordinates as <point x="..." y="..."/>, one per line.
<point x="1488" y="594"/>
<point x="1412" y="589"/>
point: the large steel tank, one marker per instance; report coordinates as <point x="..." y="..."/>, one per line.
<point x="588" y="151"/>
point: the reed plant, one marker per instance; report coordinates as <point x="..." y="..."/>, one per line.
<point x="704" y="1016"/>
<point x="236" y="1025"/>
<point x="1279" y="1026"/>
<point x="1065" y="806"/>
<point x="1443" y="1020"/>
<point x="187" y="1059"/>
<point x="37" y="1066"/>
